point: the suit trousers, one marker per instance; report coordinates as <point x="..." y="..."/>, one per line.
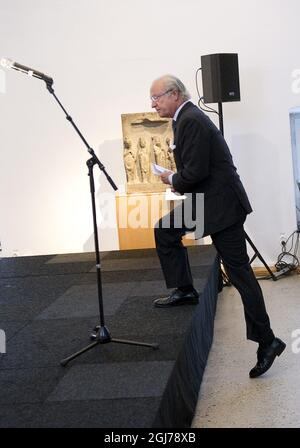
<point x="230" y="244"/>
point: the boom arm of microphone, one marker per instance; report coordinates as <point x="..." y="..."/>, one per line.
<point x="7" y="63"/>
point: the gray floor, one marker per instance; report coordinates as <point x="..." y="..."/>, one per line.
<point x="228" y="398"/>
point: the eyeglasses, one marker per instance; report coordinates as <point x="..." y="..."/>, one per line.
<point x="156" y="97"/>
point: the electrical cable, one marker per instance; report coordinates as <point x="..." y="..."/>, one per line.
<point x="208" y="109"/>
<point x="289" y="253"/>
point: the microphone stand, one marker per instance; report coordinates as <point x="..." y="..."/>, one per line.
<point x="256" y="252"/>
<point x="100" y="333"/>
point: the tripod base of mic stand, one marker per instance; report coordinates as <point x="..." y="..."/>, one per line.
<point x="257" y="254"/>
<point x="101" y="335"/>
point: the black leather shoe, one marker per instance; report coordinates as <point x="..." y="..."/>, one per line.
<point x="266" y="357"/>
<point x="176" y="298"/>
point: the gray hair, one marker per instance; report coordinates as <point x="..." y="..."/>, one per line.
<point x="171" y="82"/>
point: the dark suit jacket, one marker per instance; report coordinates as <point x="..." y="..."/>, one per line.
<point x="204" y="165"/>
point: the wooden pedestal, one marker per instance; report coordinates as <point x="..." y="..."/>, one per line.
<point x="137" y="214"/>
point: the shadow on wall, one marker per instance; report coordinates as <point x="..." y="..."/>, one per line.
<point x="110" y="154"/>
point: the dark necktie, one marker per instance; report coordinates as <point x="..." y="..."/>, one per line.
<point x="174" y="126"/>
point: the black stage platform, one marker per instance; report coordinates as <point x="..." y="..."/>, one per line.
<point x="48" y="307"/>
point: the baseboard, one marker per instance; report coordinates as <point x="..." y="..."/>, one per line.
<point x="261" y="271"/>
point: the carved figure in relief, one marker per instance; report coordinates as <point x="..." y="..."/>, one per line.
<point x="170" y="162"/>
<point x="167" y="153"/>
<point x="130" y="162"/>
<point x="144" y="159"/>
<point x="159" y="154"/>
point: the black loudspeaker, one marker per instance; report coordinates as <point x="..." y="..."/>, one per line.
<point x="220" y="78"/>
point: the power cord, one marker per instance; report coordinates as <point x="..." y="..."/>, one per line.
<point x="201" y="98"/>
<point x="287" y="260"/>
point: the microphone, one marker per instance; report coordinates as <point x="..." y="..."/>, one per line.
<point x="7" y="63"/>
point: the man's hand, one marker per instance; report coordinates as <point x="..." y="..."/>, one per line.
<point x="165" y="177"/>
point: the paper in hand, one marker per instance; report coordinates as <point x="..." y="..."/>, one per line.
<point x="158" y="170"/>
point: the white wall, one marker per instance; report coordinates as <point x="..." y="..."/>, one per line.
<point x="103" y="57"/>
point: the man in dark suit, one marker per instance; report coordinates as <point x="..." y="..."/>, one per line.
<point x="204" y="166"/>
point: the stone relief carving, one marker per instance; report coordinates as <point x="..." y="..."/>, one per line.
<point x="144" y="160"/>
<point x="146" y="139"/>
<point x="130" y="162"/>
